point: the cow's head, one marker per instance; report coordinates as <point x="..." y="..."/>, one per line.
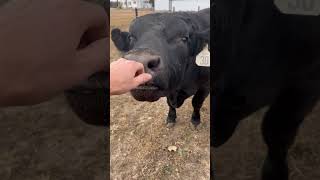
<point x="166" y="44"/>
<point x="89" y="99"/>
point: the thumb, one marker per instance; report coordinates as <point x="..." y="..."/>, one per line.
<point x="142" y="78"/>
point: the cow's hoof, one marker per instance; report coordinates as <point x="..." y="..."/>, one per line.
<point x="275" y="170"/>
<point x="193" y="127"/>
<point x="195" y="119"/>
<point x="170" y="124"/>
<point x="195" y="122"/>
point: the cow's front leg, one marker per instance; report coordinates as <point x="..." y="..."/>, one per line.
<point x="279" y="129"/>
<point x="226" y="113"/>
<point x="172" y="115"/>
<point x="197" y="102"/>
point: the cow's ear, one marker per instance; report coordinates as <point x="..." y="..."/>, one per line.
<point x="196" y="44"/>
<point x="121" y="39"/>
<point x="204" y="36"/>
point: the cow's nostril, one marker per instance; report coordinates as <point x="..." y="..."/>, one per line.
<point x="154" y="63"/>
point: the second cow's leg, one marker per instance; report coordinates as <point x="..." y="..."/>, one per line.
<point x="172" y="115"/>
<point x="197" y="102"/>
<point x="280" y="127"/>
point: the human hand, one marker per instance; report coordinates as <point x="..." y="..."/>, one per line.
<point x="49" y="46"/>
<point x="126" y="75"/>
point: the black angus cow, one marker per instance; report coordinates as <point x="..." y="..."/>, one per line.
<point x="167" y="44"/>
<point x="261" y="58"/>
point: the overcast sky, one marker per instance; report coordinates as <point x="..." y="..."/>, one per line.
<point x="201" y="1"/>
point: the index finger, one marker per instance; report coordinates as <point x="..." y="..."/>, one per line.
<point x="138" y="67"/>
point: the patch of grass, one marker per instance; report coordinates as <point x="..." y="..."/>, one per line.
<point x="182" y="152"/>
<point x="167" y="169"/>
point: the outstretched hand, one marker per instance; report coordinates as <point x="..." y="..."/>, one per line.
<point x="126" y="75"/>
<point x="49" y="46"/>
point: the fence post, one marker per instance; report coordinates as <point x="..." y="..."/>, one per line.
<point x="136" y="10"/>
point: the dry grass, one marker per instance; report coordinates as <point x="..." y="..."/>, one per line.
<point x="139" y="137"/>
<point x="48" y="141"/>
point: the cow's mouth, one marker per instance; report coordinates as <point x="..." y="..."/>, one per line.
<point x="88" y="100"/>
<point x="148" y="93"/>
<point x="95" y="82"/>
<point x="147" y="87"/>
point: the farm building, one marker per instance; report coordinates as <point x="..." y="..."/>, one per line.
<point x="181" y="5"/>
<point x="134" y="3"/>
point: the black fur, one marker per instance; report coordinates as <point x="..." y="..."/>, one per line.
<point x="173" y="41"/>
<point x="263" y="58"/>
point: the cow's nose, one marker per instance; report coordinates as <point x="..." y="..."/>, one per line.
<point x="150" y="62"/>
<point x="153" y="63"/>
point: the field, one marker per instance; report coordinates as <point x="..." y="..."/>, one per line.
<point x="139" y="138"/>
<point x="49" y="142"/>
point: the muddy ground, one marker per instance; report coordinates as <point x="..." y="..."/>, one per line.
<point x="49" y="142"/>
<point x="139" y="137"/>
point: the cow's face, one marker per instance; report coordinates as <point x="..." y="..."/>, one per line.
<point x="165" y="44"/>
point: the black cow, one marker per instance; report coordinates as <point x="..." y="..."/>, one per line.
<point x="167" y="44"/>
<point x="263" y="57"/>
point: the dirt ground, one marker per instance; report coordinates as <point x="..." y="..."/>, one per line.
<point x="49" y="142"/>
<point x="242" y="157"/>
<point x="139" y="138"/>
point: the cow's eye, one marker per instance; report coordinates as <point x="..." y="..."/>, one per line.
<point x="184" y="39"/>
